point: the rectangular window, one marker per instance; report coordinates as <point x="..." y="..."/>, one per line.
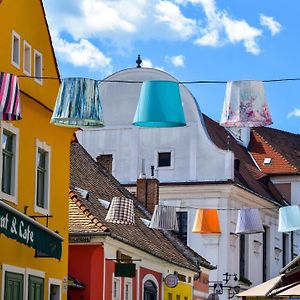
<point x="170" y="296"/>
<point x="266" y="251"/>
<point x="15" y="51"/>
<point x="164" y="159"/>
<point x="13" y="286"/>
<point x="27" y="59"/>
<point x="182" y="219"/>
<point x="38" y="66"/>
<point x="9" y="153"/>
<point x="35" y="288"/>
<point x="177" y="297"/>
<point x="55" y="293"/>
<point x="243" y="248"/>
<point x="116" y="289"/>
<point x="42" y="187"/>
<point x="285" y="249"/>
<point x="128" y="291"/>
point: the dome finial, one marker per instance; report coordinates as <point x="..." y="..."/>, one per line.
<point x="139" y="61"/>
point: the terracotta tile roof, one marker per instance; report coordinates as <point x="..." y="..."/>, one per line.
<point x="282" y="147"/>
<point x="246" y="174"/>
<point x="89" y="216"/>
<point x="81" y="219"/>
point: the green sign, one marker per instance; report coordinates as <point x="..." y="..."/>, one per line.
<point x="28" y="232"/>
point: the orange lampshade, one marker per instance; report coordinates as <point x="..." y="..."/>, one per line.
<point x="206" y="221"/>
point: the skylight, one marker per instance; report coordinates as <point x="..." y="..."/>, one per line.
<point x="267" y="161"/>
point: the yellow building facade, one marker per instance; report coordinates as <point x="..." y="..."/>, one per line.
<point x="182" y="291"/>
<point x="34" y="171"/>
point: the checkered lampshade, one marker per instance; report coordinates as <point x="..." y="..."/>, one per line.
<point x="164" y="217"/>
<point x="249" y="221"/>
<point x="121" y="211"/>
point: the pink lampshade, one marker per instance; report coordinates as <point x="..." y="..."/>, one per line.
<point x="245" y="105"/>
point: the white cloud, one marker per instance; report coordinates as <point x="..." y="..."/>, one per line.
<point x="274" y="26"/>
<point x="209" y="39"/>
<point x="222" y="29"/>
<point x="147" y="63"/>
<point x="294" y="113"/>
<point x="177" y="60"/>
<point x="241" y="31"/>
<point x="169" y="13"/>
<point x="118" y="24"/>
<point x="81" y="54"/>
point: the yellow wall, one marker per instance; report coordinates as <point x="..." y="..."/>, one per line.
<point x="182" y="289"/>
<point x="27" y="19"/>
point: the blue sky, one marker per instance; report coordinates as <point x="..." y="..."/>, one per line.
<point x="190" y="39"/>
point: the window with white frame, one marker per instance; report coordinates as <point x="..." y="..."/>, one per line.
<point x="9" y="157"/>
<point x="13" y="282"/>
<point x="15" y="49"/>
<point x="128" y="290"/>
<point x="116" y="289"/>
<point x="165" y="159"/>
<point x="54" y="289"/>
<point x="38" y="67"/>
<point x="42" y="177"/>
<point x="27" y="58"/>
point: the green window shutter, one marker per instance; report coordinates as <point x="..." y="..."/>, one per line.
<point x="35" y="288"/>
<point x="14" y="284"/>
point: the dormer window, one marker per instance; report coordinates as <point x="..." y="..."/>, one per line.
<point x="15" y="51"/>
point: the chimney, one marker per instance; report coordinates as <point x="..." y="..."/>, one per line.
<point x="106" y="161"/>
<point x="147" y="192"/>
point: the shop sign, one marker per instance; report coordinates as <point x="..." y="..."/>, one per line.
<point x="171" y="280"/>
<point x="27" y="232"/>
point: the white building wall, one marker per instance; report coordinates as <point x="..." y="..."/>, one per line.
<point x="222" y="250"/>
<point x="196" y="158"/>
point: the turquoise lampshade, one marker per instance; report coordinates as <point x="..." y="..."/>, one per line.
<point x="159" y="105"/>
<point x="78" y="104"/>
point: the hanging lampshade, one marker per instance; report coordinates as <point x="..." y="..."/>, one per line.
<point x="206" y="221"/>
<point x="121" y="211"/>
<point x="249" y="221"/>
<point x="159" y="105"/>
<point x="78" y="104"/>
<point x="164" y="217"/>
<point x="10" y="108"/>
<point x="289" y="218"/>
<point x="245" y="105"/>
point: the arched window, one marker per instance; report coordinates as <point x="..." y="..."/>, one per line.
<point x="150" y="290"/>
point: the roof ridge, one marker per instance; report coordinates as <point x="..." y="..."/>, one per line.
<point x="275" y="150"/>
<point x="73" y="196"/>
<point x="280" y="130"/>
